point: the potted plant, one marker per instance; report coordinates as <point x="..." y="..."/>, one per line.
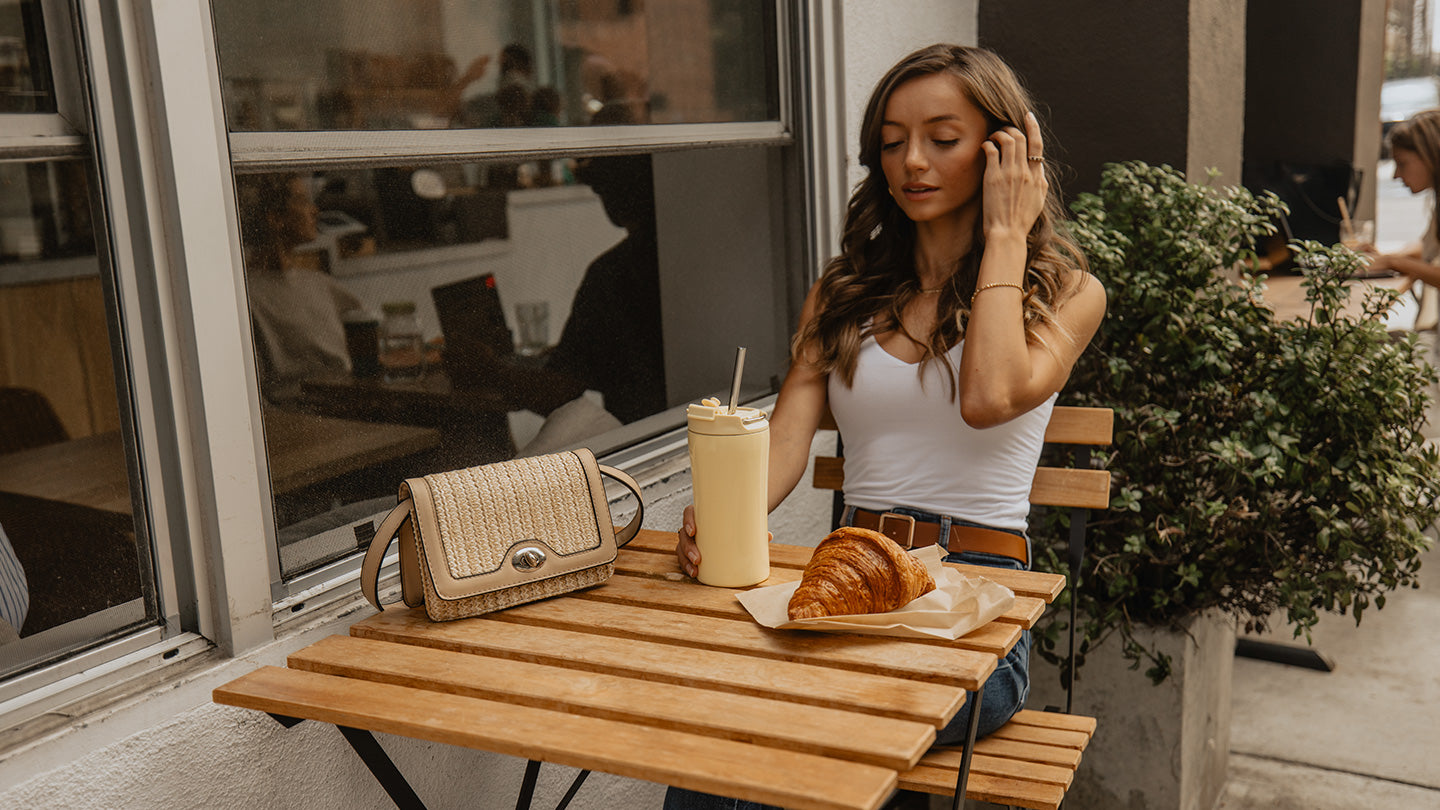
<point x="1261" y="468"/>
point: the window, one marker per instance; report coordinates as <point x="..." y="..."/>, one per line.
<point x="75" y="554"/>
<point x="563" y="218"/>
<point x="434" y="64"/>
<point x="25" y="76"/>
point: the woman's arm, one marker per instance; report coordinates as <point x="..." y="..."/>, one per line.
<point x="1002" y="375"/>
<point x="797" y="414"/>
<point x="1407" y="263"/>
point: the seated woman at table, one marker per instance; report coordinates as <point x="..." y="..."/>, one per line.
<point x="1415" y="146"/>
<point x="943" y="332"/>
<point x="297" y="312"/>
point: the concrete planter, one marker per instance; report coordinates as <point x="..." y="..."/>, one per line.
<point x="1157" y="747"/>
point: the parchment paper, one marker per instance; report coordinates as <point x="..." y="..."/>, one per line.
<point x="958" y="605"/>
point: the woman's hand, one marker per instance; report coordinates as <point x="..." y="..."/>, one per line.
<point x="685" y="549"/>
<point x="1015" y="184"/>
<point x="1375" y="261"/>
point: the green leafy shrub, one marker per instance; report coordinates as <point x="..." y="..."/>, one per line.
<point x="1259" y="467"/>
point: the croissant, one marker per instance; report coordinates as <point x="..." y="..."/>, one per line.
<point x="858" y="571"/>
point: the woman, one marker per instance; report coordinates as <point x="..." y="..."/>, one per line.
<point x="942" y="333"/>
<point x="297" y="311"/>
<point x="1415" y="146"/>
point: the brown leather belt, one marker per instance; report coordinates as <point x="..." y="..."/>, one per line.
<point x="912" y="533"/>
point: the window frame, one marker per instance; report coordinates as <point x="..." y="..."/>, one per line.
<point x="94" y="122"/>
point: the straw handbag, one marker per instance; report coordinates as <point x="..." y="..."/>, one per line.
<point x="489" y="537"/>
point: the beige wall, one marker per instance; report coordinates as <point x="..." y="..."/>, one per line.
<point x="1217" y="89"/>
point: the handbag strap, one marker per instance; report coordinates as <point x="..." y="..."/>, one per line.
<point x="626" y="534"/>
<point x="375" y="554"/>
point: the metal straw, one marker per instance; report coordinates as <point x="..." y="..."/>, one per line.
<point x="735" y="384"/>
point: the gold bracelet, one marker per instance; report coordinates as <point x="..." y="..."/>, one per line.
<point x="993" y="285"/>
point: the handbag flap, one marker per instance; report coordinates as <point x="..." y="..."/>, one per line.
<point x="473" y="522"/>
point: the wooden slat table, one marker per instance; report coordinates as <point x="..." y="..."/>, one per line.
<point x="1286" y="296"/>
<point x="651" y="676"/>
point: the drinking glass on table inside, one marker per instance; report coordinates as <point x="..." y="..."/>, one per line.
<point x="533" y="318"/>
<point x="402" y="351"/>
<point x="1356" y="233"/>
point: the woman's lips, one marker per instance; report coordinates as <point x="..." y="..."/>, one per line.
<point x="917" y="192"/>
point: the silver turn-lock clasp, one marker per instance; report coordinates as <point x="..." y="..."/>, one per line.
<point x="528" y="559"/>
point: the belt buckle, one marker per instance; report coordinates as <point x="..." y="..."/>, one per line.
<point x="909" y="527"/>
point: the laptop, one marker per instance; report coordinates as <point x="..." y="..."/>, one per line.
<point x="473" y="324"/>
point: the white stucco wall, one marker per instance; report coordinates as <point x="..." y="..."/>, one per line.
<point x="876" y="35"/>
<point x="170" y="747"/>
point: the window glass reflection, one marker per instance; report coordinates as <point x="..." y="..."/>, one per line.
<point x="374" y="368"/>
<point x="68" y="542"/>
<point x="25" y="79"/>
<point x="426" y="64"/>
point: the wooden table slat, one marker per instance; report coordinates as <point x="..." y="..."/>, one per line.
<point x="1036" y="584"/>
<point x="725" y="767"/>
<point x="948" y="759"/>
<point x="1044" y="736"/>
<point x="929" y="703"/>
<point x="782" y="555"/>
<point x="995" y="637"/>
<point x="1026" y="611"/>
<point x="875" y="654"/>
<point x="1012" y="749"/>
<point x="987" y="788"/>
<point x="894" y="744"/>
<point x="649" y="556"/>
<point x="1073" y="722"/>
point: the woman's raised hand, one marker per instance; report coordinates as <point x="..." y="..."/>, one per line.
<point x="1015" y="184"/>
<point x="685" y="549"/>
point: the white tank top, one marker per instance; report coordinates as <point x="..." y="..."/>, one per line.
<point x="906" y="444"/>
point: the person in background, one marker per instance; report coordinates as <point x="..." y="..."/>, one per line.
<point x="612" y="341"/>
<point x="941" y="335"/>
<point x="1415" y="146"/>
<point x="297" y="311"/>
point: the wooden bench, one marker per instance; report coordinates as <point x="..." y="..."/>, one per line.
<point x="1030" y="761"/>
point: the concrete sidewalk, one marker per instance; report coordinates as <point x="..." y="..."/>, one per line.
<point x="1365" y="735"/>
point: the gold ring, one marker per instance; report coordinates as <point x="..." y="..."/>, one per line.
<point x="1036" y="158"/>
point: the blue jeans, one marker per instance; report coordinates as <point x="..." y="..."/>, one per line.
<point x="1005" y="689"/>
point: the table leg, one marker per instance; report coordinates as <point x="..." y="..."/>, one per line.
<point x="383" y="768"/>
<point x="970" y="733"/>
<point x="527" y="787"/>
<point x="574" y="788"/>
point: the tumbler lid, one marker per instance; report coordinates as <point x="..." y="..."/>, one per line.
<point x="710" y="418"/>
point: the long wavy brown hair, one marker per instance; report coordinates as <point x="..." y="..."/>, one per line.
<point x="864" y="289"/>
<point x="1420" y="133"/>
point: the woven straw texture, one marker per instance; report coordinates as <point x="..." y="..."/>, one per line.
<point x="482" y="511"/>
